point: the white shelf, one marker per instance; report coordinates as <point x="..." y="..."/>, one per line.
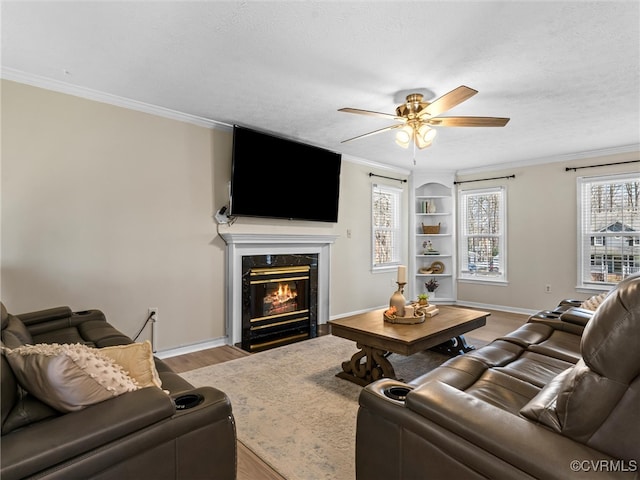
<point x="437" y="192"/>
<point x="433" y="275"/>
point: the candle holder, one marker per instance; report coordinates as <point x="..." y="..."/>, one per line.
<point x="397" y="300"/>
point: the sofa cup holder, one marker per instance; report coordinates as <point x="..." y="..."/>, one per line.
<point x="397" y="392"/>
<point x="184" y="402"/>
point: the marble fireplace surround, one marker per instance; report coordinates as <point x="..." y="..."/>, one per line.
<point x="244" y="244"/>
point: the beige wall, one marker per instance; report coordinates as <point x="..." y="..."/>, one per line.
<point x="542" y="233"/>
<point x="110" y="208"/>
<point x="105" y="207"/>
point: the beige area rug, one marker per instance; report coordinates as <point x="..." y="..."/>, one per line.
<point x="293" y="412"/>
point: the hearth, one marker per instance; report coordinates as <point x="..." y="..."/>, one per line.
<point x="279" y="300"/>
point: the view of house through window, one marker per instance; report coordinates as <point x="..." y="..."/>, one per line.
<point x="385" y="225"/>
<point x="609" y="228"/>
<point x="482" y="234"/>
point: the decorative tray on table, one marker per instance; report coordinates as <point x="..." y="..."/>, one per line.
<point x="393" y="318"/>
<point x="421" y="312"/>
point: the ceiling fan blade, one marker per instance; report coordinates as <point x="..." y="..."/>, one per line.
<point x="370" y="113"/>
<point x="468" y="121"/>
<point x="448" y="101"/>
<point x="375" y="132"/>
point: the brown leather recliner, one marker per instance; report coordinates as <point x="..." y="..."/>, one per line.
<point x="518" y="408"/>
<point x="139" y="434"/>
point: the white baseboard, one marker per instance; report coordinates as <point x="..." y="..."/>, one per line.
<point x="196" y="347"/>
<point x="500" y="308"/>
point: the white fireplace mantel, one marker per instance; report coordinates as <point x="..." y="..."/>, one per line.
<point x="243" y="244"/>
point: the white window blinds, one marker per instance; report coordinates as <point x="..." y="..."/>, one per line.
<point x="608" y="228"/>
<point x="385" y="225"/>
<point x="482" y="229"/>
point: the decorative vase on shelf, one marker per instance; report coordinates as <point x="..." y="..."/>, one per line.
<point x="431" y="207"/>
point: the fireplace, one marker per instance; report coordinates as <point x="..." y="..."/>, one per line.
<point x="241" y="245"/>
<point x="279" y="300"/>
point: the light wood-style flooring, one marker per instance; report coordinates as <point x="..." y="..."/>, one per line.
<point x="250" y="466"/>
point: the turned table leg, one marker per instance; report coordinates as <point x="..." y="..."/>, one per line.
<point x="367" y="365"/>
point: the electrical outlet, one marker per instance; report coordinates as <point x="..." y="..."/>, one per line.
<point x="153" y="313"/>
<point x="547" y="288"/>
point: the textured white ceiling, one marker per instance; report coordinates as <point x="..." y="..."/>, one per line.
<point x="566" y="73"/>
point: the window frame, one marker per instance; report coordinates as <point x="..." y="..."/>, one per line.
<point x="465" y="275"/>
<point x="605" y="240"/>
<point x="395" y="230"/>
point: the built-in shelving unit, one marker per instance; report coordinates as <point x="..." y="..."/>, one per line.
<point x="433" y="205"/>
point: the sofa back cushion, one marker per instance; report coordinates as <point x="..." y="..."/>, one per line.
<point x="14" y="332"/>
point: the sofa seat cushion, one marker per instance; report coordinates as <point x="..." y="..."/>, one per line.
<point x="496" y="388"/>
<point x="67" y="377"/>
<point x="497" y="353"/>
<point x="475" y="378"/>
<point x="69" y="335"/>
<point x="535" y="368"/>
<point x="460" y="372"/>
<point x="562" y="345"/>
<point x="503" y="391"/>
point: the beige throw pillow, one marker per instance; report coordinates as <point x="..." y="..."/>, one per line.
<point x="137" y="360"/>
<point x="592" y="303"/>
<point x="68" y="377"/>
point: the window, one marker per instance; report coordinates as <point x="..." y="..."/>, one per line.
<point x="608" y="229"/>
<point x="385" y="226"/>
<point x="481" y="247"/>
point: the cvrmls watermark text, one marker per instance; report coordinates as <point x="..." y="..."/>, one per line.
<point x="603" y="466"/>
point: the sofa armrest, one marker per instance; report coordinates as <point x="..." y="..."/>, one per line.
<point x="519" y="442"/>
<point x="577" y="316"/>
<point x="50" y="442"/>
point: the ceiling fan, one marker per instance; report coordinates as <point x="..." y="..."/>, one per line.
<point x="418" y="116"/>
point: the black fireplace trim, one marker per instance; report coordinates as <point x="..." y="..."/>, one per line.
<point x="255" y="342"/>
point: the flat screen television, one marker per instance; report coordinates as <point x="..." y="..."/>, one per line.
<point x="273" y="177"/>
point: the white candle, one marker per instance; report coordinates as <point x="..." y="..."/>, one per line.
<point x="402" y="274"/>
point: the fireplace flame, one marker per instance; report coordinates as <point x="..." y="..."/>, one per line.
<point x="284" y="293"/>
<point x="281" y="300"/>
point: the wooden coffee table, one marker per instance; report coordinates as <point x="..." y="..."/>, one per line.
<point x="377" y="339"/>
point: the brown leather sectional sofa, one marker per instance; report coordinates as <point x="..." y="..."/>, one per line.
<point x="558" y="398"/>
<point x="136" y="435"/>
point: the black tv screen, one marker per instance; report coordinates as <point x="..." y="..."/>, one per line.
<point x="273" y="177"/>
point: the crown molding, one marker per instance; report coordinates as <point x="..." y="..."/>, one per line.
<point x="553" y="159"/>
<point x="70" y="89"/>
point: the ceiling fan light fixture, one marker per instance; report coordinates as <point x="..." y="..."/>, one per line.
<point x="426" y="133"/>
<point x="404" y="136"/>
